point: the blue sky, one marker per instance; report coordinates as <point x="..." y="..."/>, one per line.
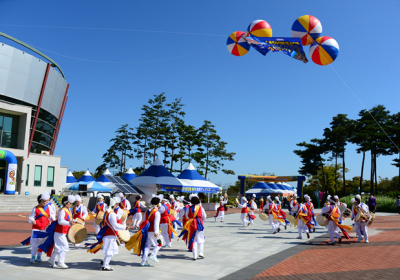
<point x="261" y="106"/>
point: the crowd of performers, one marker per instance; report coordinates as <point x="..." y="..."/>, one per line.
<point x="301" y="215"/>
<point x="158" y="226"/>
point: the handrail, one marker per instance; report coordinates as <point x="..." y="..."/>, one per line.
<point x="53" y="63"/>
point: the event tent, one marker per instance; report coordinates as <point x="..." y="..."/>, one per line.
<point x="102" y="180"/>
<point x="192" y="182"/>
<point x="70" y="178"/>
<point x="86" y="177"/>
<point x="129" y="175"/>
<point x="261" y="188"/>
<point x="91" y="186"/>
<point x="275" y="189"/>
<point x="152" y="179"/>
<point x="287" y="188"/>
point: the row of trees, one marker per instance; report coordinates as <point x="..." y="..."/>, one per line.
<point x="375" y="131"/>
<point x="162" y="132"/>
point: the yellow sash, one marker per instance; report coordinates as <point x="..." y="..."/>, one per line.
<point x="68" y="213"/>
<point x="189" y="222"/>
<point x="135" y="241"/>
<point x="301" y="215"/>
<point x="275" y="216"/>
<point x="42" y="211"/>
<point x="335" y="218"/>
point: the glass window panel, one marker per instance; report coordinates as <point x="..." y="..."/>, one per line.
<point x="50" y="176"/>
<point x="38" y="176"/>
<point x="7" y="124"/>
<point x="27" y="175"/>
<point x="6" y="140"/>
<point x="1" y="122"/>
<point x="42" y="139"/>
<point x="46" y="116"/>
<point x="38" y="148"/>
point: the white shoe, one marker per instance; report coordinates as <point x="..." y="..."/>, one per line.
<point x="144" y="264"/>
<point x="63" y="266"/>
<point x="298" y="237"/>
<point x="366" y="241"/>
<point x="32" y="260"/>
<point x="359" y="239"/>
<point x="52" y="263"/>
<point x="168" y="246"/>
<point x="154" y="258"/>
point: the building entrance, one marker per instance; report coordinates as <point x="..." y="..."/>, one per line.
<point x="3" y="170"/>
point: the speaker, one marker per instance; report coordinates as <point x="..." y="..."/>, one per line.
<point x="53" y="192"/>
<point x="83" y="188"/>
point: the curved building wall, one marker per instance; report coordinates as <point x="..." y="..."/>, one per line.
<point x="27" y="80"/>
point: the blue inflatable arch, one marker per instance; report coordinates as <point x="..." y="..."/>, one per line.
<point x="11" y="173"/>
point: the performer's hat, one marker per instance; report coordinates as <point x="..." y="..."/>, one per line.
<point x="153" y="195"/>
<point x="193" y="194"/>
<point x="295" y="195"/>
<point x="358" y="196"/>
<point x="78" y="198"/>
<point x="306" y="197"/>
<point x="353" y="200"/>
<point x="269" y="197"/>
<point x="71" y="198"/>
<point x="277" y="198"/>
<point x="100" y="196"/>
<point x="336" y="197"/>
<point x="221" y="198"/>
<point x="120" y="194"/>
<point x="117" y="199"/>
<point x="254" y="195"/>
<point x="171" y="196"/>
<point x="45" y="196"/>
<point x="244" y="199"/>
<point x="112" y="202"/>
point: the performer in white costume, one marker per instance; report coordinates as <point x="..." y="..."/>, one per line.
<point x="221" y="209"/>
<point x="269" y="207"/>
<point x="100" y="206"/>
<point x="196" y="215"/>
<point x="244" y="212"/>
<point x="361" y="228"/>
<point x="137" y="208"/>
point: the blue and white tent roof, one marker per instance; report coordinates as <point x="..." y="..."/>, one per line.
<point x="275" y="188"/>
<point x="260" y="188"/>
<point x="70" y="178"/>
<point x="286" y="186"/>
<point x="102" y="180"/>
<point x="192" y="179"/>
<point x="155" y="175"/>
<point x="86" y="177"/>
<point x="129" y="175"/>
<point x="91" y="186"/>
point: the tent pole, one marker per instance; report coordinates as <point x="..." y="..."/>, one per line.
<point x="208" y="197"/>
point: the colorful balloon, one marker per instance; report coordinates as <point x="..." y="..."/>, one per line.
<point x="236" y="44"/>
<point x="259" y="28"/>
<point x="308" y="28"/>
<point x="324" y="50"/>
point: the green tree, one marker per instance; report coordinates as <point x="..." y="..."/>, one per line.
<point x="212" y="151"/>
<point x="120" y="150"/>
<point x="78" y="174"/>
<point x="141" y="142"/>
<point x="176" y="113"/>
<point x="311" y="158"/>
<point x="394" y="132"/>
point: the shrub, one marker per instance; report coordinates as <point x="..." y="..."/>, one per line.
<point x="383" y="203"/>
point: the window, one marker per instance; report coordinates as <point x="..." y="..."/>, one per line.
<point x="38" y="176"/>
<point x="27" y="174"/>
<point x="50" y="176"/>
<point x="8" y="130"/>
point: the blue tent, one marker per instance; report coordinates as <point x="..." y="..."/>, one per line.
<point x="259" y="189"/>
<point x="275" y="188"/>
<point x="102" y="180"/>
<point x="86" y="177"/>
<point x="192" y="182"/>
<point x="70" y="178"/>
<point x="92" y="186"/>
<point x="129" y="175"/>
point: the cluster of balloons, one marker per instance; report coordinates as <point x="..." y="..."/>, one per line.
<point x="323" y="49"/>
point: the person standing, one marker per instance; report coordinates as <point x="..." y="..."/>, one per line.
<point x="136" y="211"/>
<point x="261" y="203"/>
<point x="361" y="228"/>
<point x="244" y="211"/>
<point x="64" y="221"/>
<point x="196" y="217"/>
<point x="40" y="217"/>
<point x="165" y="223"/>
<point x="300" y="210"/>
<point x="79" y="211"/>
<point x="372" y="203"/>
<point x="310" y="208"/>
<point x="269" y="209"/>
<point x="221" y="209"/>
<point x="100" y="206"/>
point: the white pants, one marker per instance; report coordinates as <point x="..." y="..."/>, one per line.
<point x="244" y="219"/>
<point x="60" y="254"/>
<point x="198" y="242"/>
<point x="137" y="219"/>
<point x="221" y="215"/>
<point x="333" y="231"/>
<point x="301" y="228"/>
<point x="151" y="241"/>
<point x="251" y="220"/>
<point x="164" y="233"/>
<point x="61" y="242"/>
<point x="35" y="242"/>
<point x="96" y="228"/>
<point x="274" y="225"/>
<point x="110" y="248"/>
<point x="361" y="227"/>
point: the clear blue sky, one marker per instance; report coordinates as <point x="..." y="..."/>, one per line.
<point x="261" y="106"/>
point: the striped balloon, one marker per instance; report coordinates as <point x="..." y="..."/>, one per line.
<point x="236" y="44"/>
<point x="259" y="28"/>
<point x="308" y="28"/>
<point x="324" y="50"/>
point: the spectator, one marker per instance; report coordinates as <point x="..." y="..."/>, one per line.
<point x="398" y="203"/>
<point x="372" y="203"/>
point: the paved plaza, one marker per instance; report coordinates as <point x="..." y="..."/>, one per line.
<point x="231" y="252"/>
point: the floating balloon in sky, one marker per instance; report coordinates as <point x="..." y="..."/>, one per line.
<point x="236" y="44"/>
<point x="324" y="50"/>
<point x="259" y="28"/>
<point x="308" y="28"/>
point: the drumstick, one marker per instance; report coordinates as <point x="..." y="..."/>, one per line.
<point x="23" y="216"/>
